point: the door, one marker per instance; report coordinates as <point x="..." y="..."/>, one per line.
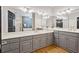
<point x="26" y="46"/>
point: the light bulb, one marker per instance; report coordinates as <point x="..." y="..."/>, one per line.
<point x="58" y="13"/>
<point x="30" y="11"/>
<point x="68" y="11"/>
<point x="39" y="12"/>
<point x="23" y="9"/>
<point x="63" y="12"/>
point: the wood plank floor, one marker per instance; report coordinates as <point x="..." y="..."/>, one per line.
<point x="51" y="49"/>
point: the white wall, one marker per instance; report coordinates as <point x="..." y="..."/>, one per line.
<point x="5" y="18"/>
<point x="50" y="21"/>
<point x="18" y="19"/>
<point x="38" y="19"/>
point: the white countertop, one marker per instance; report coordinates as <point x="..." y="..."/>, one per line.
<point x="28" y="33"/>
<point x="24" y="33"/>
<point x="66" y="30"/>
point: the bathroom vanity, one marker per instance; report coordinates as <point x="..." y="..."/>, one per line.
<point x="26" y="43"/>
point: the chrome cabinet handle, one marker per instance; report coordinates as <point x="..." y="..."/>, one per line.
<point x="4" y="42"/>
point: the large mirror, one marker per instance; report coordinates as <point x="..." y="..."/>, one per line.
<point x="27" y="22"/>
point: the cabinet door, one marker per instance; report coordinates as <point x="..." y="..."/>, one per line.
<point x="50" y="39"/>
<point x="56" y="41"/>
<point x="36" y="43"/>
<point x="56" y="37"/>
<point x="78" y="45"/>
<point x="72" y="44"/>
<point x="26" y="46"/>
<point x="43" y="42"/>
<point x="62" y="40"/>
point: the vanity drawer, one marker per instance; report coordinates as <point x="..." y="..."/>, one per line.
<point x="56" y="31"/>
<point x="41" y="35"/>
<point x="68" y="33"/>
<point x="25" y="38"/>
<point x="12" y="51"/>
<point x="12" y="40"/>
<point x="50" y="34"/>
<point x="36" y="36"/>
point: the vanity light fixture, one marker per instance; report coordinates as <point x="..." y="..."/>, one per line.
<point x="31" y="10"/>
<point x="46" y="17"/>
<point x="58" y="13"/>
<point x="67" y="11"/>
<point x="59" y="17"/>
<point x="23" y="9"/>
<point x="63" y="12"/>
<point x="39" y="12"/>
<point x="44" y="14"/>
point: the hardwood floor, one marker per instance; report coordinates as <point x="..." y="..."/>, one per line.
<point x="51" y="49"/>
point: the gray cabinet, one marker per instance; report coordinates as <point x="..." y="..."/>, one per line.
<point x="72" y="44"/>
<point x="78" y="45"/>
<point x="67" y="40"/>
<point x="50" y="39"/>
<point x="36" y="43"/>
<point x="26" y="44"/>
<point x="43" y="42"/>
<point x="10" y="45"/>
<point x="62" y="40"/>
<point x="56" y="41"/>
<point x="39" y="41"/>
<point x="56" y="37"/>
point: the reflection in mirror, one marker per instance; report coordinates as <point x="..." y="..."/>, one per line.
<point x="77" y="22"/>
<point x="11" y="21"/>
<point x="27" y="22"/>
<point x="59" y="23"/>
